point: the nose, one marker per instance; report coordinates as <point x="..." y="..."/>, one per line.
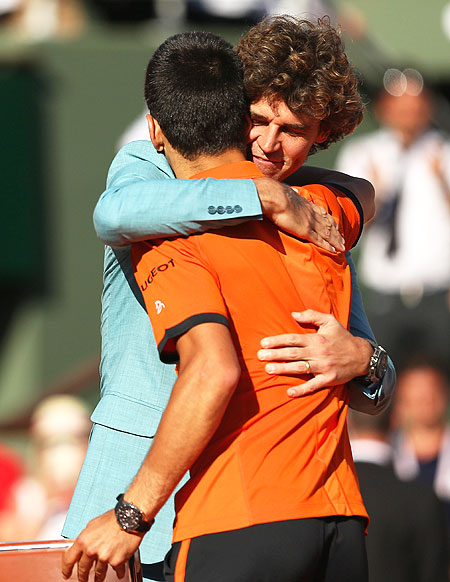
<point x="268" y="139"/>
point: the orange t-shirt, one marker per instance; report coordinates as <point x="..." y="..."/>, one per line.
<point x="272" y="458"/>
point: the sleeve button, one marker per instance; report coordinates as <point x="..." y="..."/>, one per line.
<point x="212" y="209"/>
<point x="238" y="208"/>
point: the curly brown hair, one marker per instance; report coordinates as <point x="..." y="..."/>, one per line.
<point x="305" y="65"/>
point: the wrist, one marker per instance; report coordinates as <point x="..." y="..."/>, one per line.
<point x="365" y="351"/>
<point x="272" y="196"/>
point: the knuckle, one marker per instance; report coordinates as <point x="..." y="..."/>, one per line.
<point x="327" y="368"/>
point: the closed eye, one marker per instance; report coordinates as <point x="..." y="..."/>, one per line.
<point x="258" y="120"/>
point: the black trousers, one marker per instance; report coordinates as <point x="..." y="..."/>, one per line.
<point x="330" y="549"/>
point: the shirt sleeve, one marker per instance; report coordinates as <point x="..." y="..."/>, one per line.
<point x="343" y="207"/>
<point x="179" y="288"/>
<point x="143" y="200"/>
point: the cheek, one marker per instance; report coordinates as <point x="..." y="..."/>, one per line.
<point x="296" y="153"/>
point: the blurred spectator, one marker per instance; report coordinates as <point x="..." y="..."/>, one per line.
<point x="405" y="251"/>
<point x="445" y="20"/>
<point x="407" y="535"/>
<point x="123" y="11"/>
<point x="59" y="433"/>
<point x="35" y="20"/>
<point x="248" y="12"/>
<point x="422" y="435"/>
<point x="8" y="8"/>
<point x="11" y="473"/>
<point x="245" y="12"/>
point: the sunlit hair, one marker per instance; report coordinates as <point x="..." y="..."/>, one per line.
<point x="305" y="65"/>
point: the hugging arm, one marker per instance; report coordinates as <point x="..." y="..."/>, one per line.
<point x="143" y="201"/>
<point x="334" y="355"/>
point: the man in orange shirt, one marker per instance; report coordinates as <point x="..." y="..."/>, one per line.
<point x="266" y="470"/>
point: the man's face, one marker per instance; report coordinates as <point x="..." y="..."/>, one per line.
<point x="279" y="140"/>
<point x="407" y="114"/>
<point x="422" y="398"/>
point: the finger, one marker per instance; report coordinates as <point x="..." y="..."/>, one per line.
<point x="69" y="557"/>
<point x="316" y="318"/>
<point x="325" y="226"/>
<point x="289" y="368"/>
<point x="320" y="227"/>
<point x="282" y="355"/>
<point x="100" y="571"/>
<point x="84" y="567"/>
<point x="120" y="571"/>
<point x="295" y="340"/>
<point x="308" y="387"/>
<point x="319" y="241"/>
<point x="329" y="240"/>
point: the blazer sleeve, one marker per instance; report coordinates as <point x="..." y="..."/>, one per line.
<point x="143" y="201"/>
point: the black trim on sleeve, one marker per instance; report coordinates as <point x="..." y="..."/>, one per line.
<point x="170" y="356"/>
<point x="355" y="201"/>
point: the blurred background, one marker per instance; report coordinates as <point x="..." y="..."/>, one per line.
<point x="71" y="84"/>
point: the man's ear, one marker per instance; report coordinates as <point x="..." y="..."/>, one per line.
<point x="323" y="135"/>
<point x="156" y="134"/>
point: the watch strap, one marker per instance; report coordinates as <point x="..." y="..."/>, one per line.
<point x="376" y="370"/>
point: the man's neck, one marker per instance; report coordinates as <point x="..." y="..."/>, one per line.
<point x="427" y="440"/>
<point x="184" y="168"/>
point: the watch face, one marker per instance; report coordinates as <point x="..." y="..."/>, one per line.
<point x="129" y="517"/>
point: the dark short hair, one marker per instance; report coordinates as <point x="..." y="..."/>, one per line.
<point x="194" y="89"/>
<point x="305" y="65"/>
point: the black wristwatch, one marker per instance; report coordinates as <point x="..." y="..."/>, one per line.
<point x="131" y="518"/>
<point x="377" y="366"/>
